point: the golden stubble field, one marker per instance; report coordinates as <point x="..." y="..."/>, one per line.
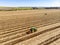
<point x="15" y="24"/>
<point x="23" y="16"/>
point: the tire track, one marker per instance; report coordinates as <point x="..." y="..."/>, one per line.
<point x="12" y="37"/>
<point x="12" y="42"/>
<point x="40" y="38"/>
<point x="51" y="40"/>
<point x="6" y="39"/>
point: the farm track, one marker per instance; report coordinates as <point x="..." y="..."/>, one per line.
<point x="57" y="42"/>
<point x="12" y="42"/>
<point x="18" y="34"/>
<point x="51" y="40"/>
<point x="43" y="39"/>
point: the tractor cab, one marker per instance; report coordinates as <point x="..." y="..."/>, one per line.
<point x="33" y="29"/>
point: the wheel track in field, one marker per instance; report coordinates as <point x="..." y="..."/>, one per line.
<point x="46" y="38"/>
<point x="6" y="39"/>
<point x="12" y="42"/>
<point x="50" y="40"/>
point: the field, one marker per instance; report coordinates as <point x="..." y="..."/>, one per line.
<point x="15" y="24"/>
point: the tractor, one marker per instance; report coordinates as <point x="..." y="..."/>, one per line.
<point x="32" y="30"/>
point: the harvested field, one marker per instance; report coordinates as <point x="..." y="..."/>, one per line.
<point x="15" y="24"/>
